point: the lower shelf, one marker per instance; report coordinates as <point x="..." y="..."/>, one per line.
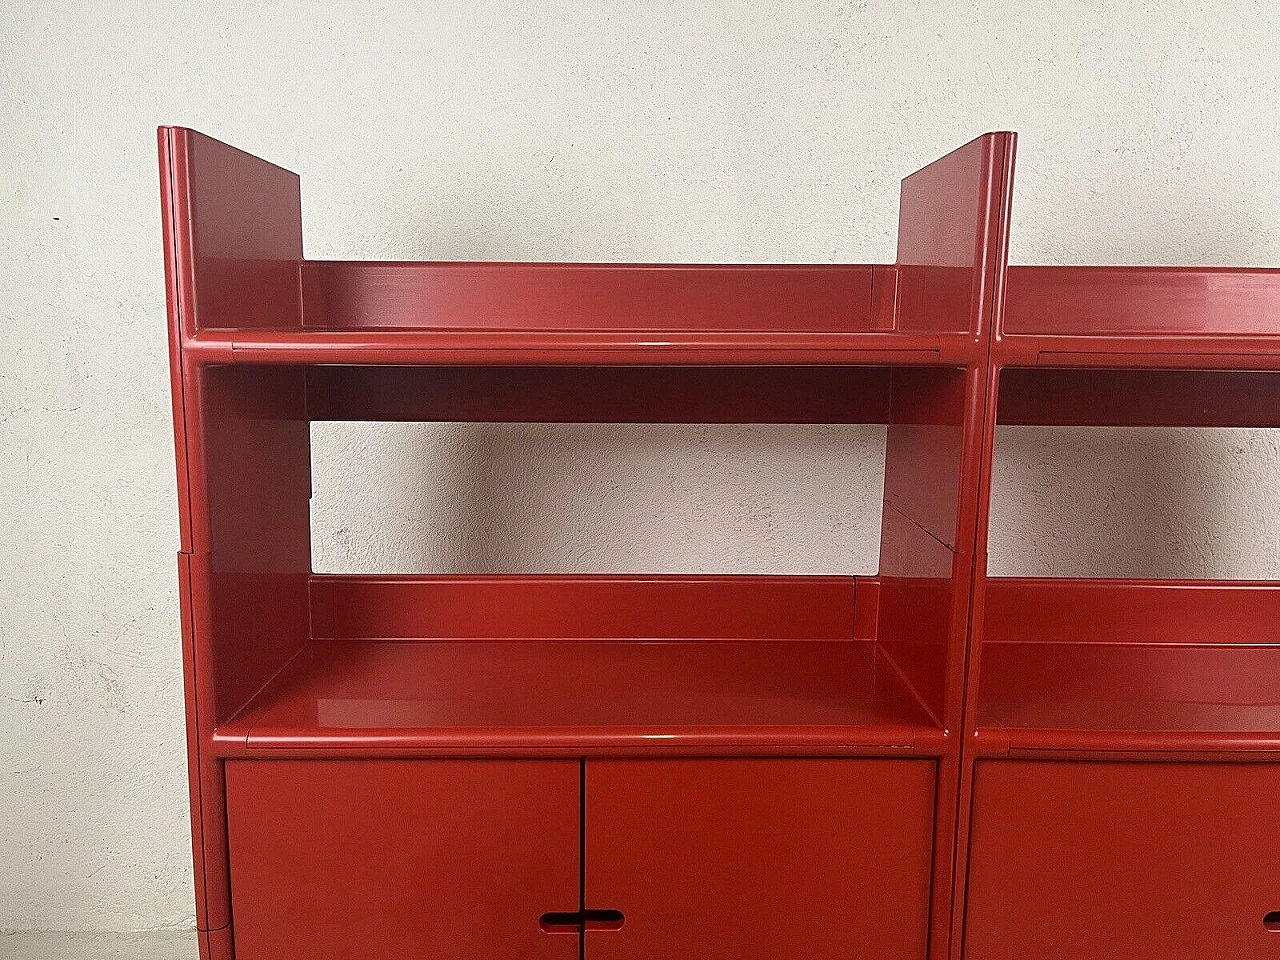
<point x="1114" y="696"/>
<point x="584" y="696"/>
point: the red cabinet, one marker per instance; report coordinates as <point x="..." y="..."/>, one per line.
<point x="402" y="859"/>
<point x="707" y="859"/>
<point x="1141" y="861"/>
<point x="745" y="859"/>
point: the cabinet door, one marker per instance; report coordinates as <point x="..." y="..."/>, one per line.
<point x="744" y="859"/>
<point x="1141" y="861"/>
<point x="402" y="859"/>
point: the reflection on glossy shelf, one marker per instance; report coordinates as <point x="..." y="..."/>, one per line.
<point x="1194" y="688"/>
<point x="1129" y="665"/>
<point x="584" y="695"/>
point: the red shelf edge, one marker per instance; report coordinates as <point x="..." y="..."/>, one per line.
<point x="990" y="741"/>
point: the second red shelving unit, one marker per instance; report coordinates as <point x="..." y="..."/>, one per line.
<point x="1122" y="735"/>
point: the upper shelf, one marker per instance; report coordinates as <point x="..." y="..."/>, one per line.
<point x="492" y="313"/>
<point x="1173" y="317"/>
<point x="241" y="291"/>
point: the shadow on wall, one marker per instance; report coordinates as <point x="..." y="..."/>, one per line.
<point x="457" y="498"/>
<point x="1136" y="502"/>
<point x="480" y="498"/>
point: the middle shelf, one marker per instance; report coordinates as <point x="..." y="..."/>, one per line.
<point x="578" y="695"/>
<point x="1129" y="666"/>
<point x="586" y="665"/>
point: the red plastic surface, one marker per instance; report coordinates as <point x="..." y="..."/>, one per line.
<point x="232" y="229"/>
<point x="573" y="697"/>
<point x="402" y="859"/>
<point x="658" y="664"/>
<point x="1098" y="861"/>
<point x="264" y="341"/>
<point x="952" y="256"/>
<point x="585" y="296"/>
<point x="1120" y="669"/>
<point x="1134" y="317"/>
<point x="1156" y="665"/>
<point x="1066" y="610"/>
<point x="235" y="223"/>
<point x="746" y="859"/>
<point x="953" y="221"/>
<point x="576" y="606"/>
<point x="1143" y="301"/>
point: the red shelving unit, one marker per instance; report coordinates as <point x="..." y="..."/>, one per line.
<point x="1122" y="735"/>
<point x="615" y="766"/>
<point x="928" y="762"/>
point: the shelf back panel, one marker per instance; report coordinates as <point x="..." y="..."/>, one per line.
<point x="589" y="607"/>
<point x="1142" y="301"/>
<point x="355" y="295"/>
<point x="1052" y="610"/>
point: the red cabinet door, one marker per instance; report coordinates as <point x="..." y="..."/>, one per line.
<point x="744" y="859"/>
<point x="402" y="859"/>
<point x="1124" y="861"/>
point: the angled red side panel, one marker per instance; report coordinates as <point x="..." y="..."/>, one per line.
<point x="255" y="451"/>
<point x="924" y="550"/>
<point x="953" y="238"/>
<point x="232" y="230"/>
<point x="237" y="233"/>
<point x="952" y="258"/>
<point x="952" y="252"/>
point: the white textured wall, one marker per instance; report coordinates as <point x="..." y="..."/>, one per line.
<point x="552" y="130"/>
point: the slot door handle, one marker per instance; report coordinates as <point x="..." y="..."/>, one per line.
<point x="580" y="921"/>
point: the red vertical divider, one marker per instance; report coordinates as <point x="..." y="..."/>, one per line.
<point x="952" y="258"/>
<point x="233" y="242"/>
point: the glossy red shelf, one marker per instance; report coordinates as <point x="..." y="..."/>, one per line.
<point x="1180" y="696"/>
<point x="583" y="696"/>
<point x="579" y="313"/>
<point x="1129" y="665"/>
<point x="467" y="347"/>
<point x="1141" y="317"/>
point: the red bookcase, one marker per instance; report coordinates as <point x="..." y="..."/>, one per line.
<point x="608" y="766"/>
<point x="1120" y="777"/>
<point x="927" y="762"/>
